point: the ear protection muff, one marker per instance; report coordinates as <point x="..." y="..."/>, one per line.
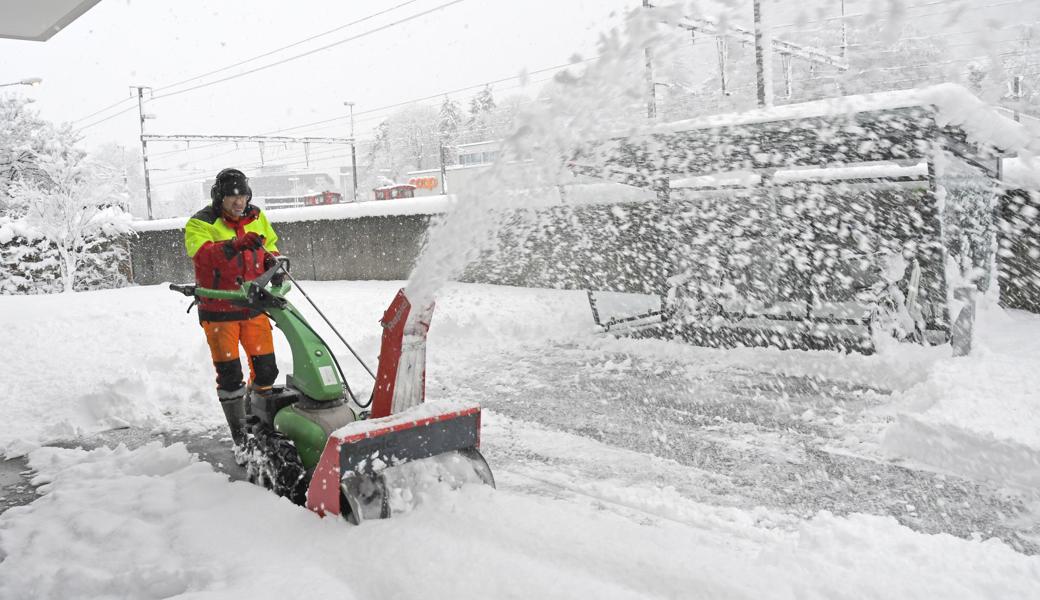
<point x="216" y="194"/>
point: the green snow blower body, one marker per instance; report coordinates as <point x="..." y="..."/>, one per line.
<point x="313" y="442"/>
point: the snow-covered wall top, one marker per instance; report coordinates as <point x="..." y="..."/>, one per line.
<point x="575" y="194"/>
<point x="426" y="205"/>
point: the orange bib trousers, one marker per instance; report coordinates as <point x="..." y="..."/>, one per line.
<point x="254" y="335"/>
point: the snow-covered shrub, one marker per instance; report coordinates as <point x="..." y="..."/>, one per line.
<point x="68" y="231"/>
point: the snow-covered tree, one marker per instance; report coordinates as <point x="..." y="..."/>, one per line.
<point x="126" y="164"/>
<point x="480" y="124"/>
<point x="187" y="200"/>
<point x="76" y="206"/>
<point x="482" y="102"/>
<point x="24" y="137"/>
<point x="449" y="120"/>
<point x="405" y="141"/>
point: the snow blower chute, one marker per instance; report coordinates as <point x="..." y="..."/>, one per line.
<point x="313" y="442"/>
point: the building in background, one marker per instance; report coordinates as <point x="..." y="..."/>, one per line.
<point x="274" y="189"/>
<point x="472" y="160"/>
<point x="394" y="191"/>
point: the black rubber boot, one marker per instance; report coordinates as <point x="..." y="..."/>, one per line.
<point x="235" y="413"/>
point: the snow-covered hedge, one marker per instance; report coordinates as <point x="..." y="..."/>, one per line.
<point x="30" y="264"/>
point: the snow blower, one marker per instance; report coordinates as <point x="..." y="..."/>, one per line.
<point x="313" y="442"/>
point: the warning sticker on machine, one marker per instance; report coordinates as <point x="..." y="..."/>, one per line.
<point x="328" y="376"/>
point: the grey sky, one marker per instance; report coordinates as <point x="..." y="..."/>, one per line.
<point x="118" y="43"/>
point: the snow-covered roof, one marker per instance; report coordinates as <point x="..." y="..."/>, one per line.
<point x="872" y="171"/>
<point x="715" y="180"/>
<point x="479" y="144"/>
<point x="843" y="132"/>
<point x="952" y="104"/>
<point x="733" y="179"/>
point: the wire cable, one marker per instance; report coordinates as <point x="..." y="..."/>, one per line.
<point x="122" y="112"/>
<point x="292" y="45"/>
<point x="97" y="112"/>
<point x="309" y="52"/>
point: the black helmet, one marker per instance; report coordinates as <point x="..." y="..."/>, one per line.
<point x="229" y="182"/>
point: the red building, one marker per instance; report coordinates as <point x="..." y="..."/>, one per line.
<point x="393" y="192"/>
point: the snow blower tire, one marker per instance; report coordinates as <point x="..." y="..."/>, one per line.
<point x="272" y="462"/>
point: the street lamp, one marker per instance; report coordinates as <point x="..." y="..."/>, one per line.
<point x="353" y="150"/>
<point x="33" y="81"/>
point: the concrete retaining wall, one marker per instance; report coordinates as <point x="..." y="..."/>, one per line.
<point x="373" y="247"/>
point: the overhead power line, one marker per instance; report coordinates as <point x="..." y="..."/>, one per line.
<point x="98" y="112"/>
<point x="309" y="52"/>
<point x="112" y="116"/>
<point x="244" y="138"/>
<point x="394" y="105"/>
<point x="251" y="59"/>
<point x="292" y="45"/>
<point x="437" y="95"/>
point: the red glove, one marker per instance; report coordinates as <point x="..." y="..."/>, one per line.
<point x="250" y="241"/>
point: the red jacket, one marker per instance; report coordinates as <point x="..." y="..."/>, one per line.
<point x="217" y="266"/>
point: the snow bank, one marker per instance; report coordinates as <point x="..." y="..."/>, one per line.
<point x="81" y="363"/>
<point x="978" y="416"/>
<point x="1022" y="172"/>
<point x="950" y="448"/>
<point x="154" y="523"/>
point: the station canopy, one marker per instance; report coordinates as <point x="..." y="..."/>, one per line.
<point x="39" y="20"/>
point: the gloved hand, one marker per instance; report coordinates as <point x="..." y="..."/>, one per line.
<point x="279" y="278"/>
<point x="250" y="241"/>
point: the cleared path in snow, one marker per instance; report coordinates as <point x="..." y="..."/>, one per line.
<point x="757" y="438"/>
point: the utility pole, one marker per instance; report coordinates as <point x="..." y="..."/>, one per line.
<point x="763" y="60"/>
<point x="844" y="34"/>
<point x="1016" y="93"/>
<point x="651" y="102"/>
<point x="353" y="150"/>
<point x="444" y="170"/>
<point x="787" y="50"/>
<point x="722" y="48"/>
<point x="144" y="148"/>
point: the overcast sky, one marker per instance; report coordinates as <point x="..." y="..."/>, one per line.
<point x="459" y="44"/>
<point x="119" y="43"/>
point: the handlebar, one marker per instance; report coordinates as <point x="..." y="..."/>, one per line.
<point x="250" y="292"/>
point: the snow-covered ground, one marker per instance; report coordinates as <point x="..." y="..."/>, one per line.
<point x="625" y="468"/>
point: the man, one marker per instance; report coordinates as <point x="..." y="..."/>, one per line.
<point x="231" y="241"/>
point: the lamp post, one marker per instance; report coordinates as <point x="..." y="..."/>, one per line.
<point x="353" y="150"/>
<point x="33" y="81"/>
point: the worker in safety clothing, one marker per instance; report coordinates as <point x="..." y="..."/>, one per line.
<point x="231" y="241"/>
